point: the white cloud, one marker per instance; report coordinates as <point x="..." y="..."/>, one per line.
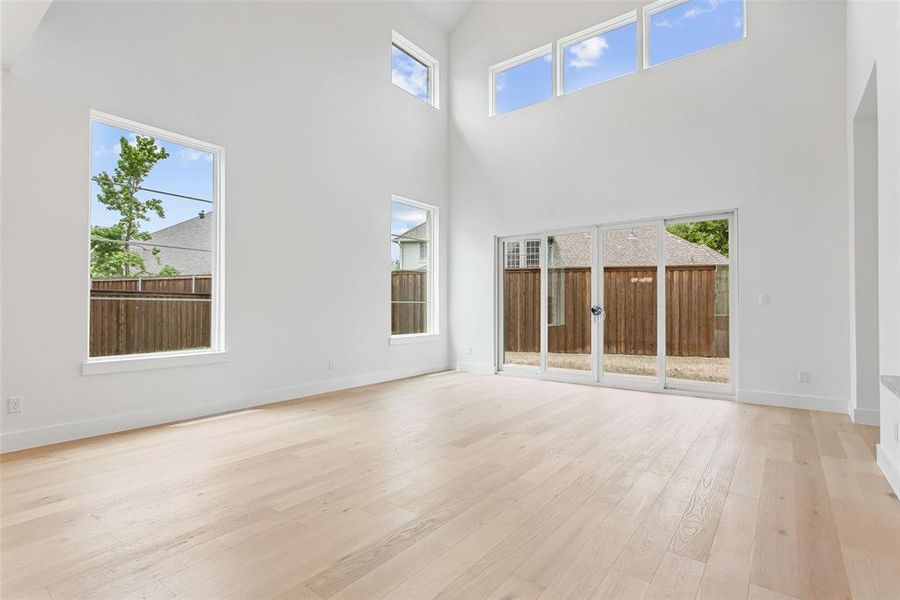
<point x="191" y="155"/>
<point x="699" y="10"/>
<point x="588" y="52"/>
<point x="663" y="23"/>
<point x="738" y="22"/>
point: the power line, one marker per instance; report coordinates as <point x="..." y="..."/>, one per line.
<point x="151" y="190"/>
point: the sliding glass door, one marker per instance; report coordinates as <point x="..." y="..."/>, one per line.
<point x="646" y="304"/>
<point x="631" y="270"/>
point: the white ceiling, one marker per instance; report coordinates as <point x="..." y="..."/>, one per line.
<point x="20" y="19"/>
<point x="444" y="14"/>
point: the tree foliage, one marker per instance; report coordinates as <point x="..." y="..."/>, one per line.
<point x="112" y="254"/>
<point x="713" y="234"/>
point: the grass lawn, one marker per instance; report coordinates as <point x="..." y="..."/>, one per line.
<point x="693" y="368"/>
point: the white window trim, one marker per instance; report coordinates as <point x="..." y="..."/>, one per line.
<point x="515" y="61"/>
<point x="660" y="5"/>
<point x="431" y="63"/>
<point x="585" y="34"/>
<point x="217" y="352"/>
<point x="433" y="318"/>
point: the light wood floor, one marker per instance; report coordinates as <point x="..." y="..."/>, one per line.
<point x="460" y="486"/>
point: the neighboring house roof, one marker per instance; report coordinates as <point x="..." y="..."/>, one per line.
<point x="574" y="250"/>
<point x="419" y="233"/>
<point x="193" y="255"/>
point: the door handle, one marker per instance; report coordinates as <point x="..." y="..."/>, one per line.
<point x="596" y="310"/>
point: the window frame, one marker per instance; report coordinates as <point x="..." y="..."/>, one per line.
<point x="425" y="59"/>
<point x="433" y="313"/>
<point x="585" y="34"/>
<point x="217" y="351"/>
<point x="515" y="61"/>
<point x="660" y="5"/>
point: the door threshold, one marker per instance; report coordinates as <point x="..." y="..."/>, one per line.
<point x="623" y="386"/>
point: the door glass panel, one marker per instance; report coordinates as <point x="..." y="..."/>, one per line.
<point x="569" y="259"/>
<point x="697" y="271"/>
<point x="522" y="302"/>
<point x="630" y="257"/>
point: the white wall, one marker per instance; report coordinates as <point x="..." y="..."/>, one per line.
<point x="317" y="140"/>
<point x="757" y="125"/>
<point x="873" y="40"/>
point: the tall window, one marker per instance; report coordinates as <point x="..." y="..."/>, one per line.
<point x="598" y="54"/>
<point x="154" y="240"/>
<point x="522" y="80"/>
<point x="677" y="28"/>
<point x="413" y="280"/>
<point x="414" y="70"/>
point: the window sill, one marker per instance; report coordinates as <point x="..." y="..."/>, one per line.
<point x="160" y="360"/>
<point x="414" y="338"/>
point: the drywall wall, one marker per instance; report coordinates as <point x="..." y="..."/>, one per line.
<point x="317" y="139"/>
<point x="873" y="44"/>
<point x="757" y="125"/>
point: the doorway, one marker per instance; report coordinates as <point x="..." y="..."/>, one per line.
<point x="645" y="305"/>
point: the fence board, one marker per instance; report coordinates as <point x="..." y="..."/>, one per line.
<point x="692" y="327"/>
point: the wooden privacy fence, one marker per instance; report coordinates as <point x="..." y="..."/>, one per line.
<point x="629" y="327"/>
<point x="409" y="302"/>
<point x="136" y="315"/>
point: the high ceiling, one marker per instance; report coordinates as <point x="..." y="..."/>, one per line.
<point x="445" y="14"/>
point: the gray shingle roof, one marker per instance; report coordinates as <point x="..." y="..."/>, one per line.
<point x="417" y="233"/>
<point x="194" y="233"/>
<point x="574" y="250"/>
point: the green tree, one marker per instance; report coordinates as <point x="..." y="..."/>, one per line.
<point x="111" y="247"/>
<point x="713" y="234"/>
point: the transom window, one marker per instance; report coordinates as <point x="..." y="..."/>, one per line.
<point x="606" y="51"/>
<point x="678" y="28"/>
<point x="414" y="70"/>
<point x="521" y="81"/>
<point x="156" y="210"/>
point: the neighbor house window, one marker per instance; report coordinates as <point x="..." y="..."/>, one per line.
<point x="677" y="28"/>
<point x="532" y="253"/>
<point x="598" y="54"/>
<point x="413" y="273"/>
<point x="414" y="70"/>
<point x="512" y="255"/>
<point x="522" y="80"/>
<point x="156" y="211"/>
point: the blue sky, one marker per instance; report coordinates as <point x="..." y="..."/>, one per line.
<point x="403" y="218"/>
<point x="675" y="32"/>
<point x="186" y="171"/>
<point x="409" y="74"/>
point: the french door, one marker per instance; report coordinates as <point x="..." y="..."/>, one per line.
<point x="641" y="305"/>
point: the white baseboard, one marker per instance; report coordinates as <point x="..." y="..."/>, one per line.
<point x="76" y="430"/>
<point x="837" y="405"/>
<point x="890" y="469"/>
<point x="866" y="416"/>
<point x="477" y="368"/>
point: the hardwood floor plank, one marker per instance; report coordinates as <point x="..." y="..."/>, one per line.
<point x="458" y="486"/>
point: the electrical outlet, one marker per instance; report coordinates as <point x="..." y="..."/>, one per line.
<point x="331" y="366"/>
<point x="469" y="351"/>
<point x="763" y="299"/>
<point x="14" y="404"/>
<point x="802" y="376"/>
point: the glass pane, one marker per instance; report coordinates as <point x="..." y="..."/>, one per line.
<point x="151" y="251"/>
<point x="600" y="58"/>
<point x="410" y="266"/>
<point x="629" y="300"/>
<point x="409" y="74"/>
<point x="693" y="26"/>
<point x="569" y="301"/>
<point x="523" y="84"/>
<point x="697" y="345"/>
<point x="521" y="306"/>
